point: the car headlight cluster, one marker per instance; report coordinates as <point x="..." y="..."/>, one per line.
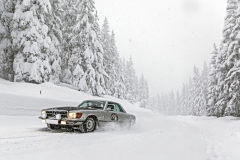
<point x="44" y="114"/>
<point x="73" y="115"/>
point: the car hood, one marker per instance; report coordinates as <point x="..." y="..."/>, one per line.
<point x="68" y="109"/>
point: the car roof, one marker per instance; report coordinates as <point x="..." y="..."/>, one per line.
<point x="100" y="100"/>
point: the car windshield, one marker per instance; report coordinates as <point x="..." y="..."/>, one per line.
<point x="92" y="104"/>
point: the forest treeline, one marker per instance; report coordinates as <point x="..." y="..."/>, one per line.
<point x="216" y="91"/>
<point x="60" y="41"/>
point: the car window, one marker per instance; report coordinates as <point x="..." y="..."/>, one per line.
<point x="85" y="104"/>
<point x="114" y="107"/>
<point x="111" y="107"/>
<point x="92" y="104"/>
<point x="121" y="109"/>
<point x="117" y="108"/>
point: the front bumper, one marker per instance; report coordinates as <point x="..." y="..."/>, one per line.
<point x="63" y="121"/>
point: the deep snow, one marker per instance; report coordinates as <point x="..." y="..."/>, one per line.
<point x="23" y="136"/>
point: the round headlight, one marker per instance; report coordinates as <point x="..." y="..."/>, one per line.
<point x="72" y="115"/>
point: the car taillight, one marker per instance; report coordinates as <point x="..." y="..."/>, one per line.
<point x="79" y="115"/>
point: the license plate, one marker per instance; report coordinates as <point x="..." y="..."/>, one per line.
<point x="50" y="121"/>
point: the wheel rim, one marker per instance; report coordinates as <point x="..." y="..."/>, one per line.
<point x="90" y="124"/>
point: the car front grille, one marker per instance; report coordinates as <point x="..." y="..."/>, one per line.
<point x="54" y="113"/>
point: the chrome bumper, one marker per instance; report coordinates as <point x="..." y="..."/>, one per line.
<point x="63" y="121"/>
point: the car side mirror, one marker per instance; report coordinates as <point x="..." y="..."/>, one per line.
<point x="109" y="109"/>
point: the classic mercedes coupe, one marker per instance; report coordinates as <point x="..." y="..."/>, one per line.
<point x="87" y="116"/>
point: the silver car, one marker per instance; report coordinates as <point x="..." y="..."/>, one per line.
<point x="87" y="116"/>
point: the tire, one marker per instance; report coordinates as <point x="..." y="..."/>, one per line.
<point x="53" y="127"/>
<point x="89" y="125"/>
<point x="49" y="126"/>
<point x="82" y="129"/>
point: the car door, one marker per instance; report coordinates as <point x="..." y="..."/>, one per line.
<point x="114" y="113"/>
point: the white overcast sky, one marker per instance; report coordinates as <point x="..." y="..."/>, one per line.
<point x="165" y="38"/>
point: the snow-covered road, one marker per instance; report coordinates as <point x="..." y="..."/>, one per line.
<point x="158" y="137"/>
<point x="23" y="136"/>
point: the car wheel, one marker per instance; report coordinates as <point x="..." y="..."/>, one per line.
<point x="50" y="126"/>
<point x="82" y="128"/>
<point x="53" y="127"/>
<point x="89" y="125"/>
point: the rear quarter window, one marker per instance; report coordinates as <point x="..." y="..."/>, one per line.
<point x="121" y="109"/>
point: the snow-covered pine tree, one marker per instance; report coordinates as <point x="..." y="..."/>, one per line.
<point x="141" y="88"/>
<point x="86" y="50"/>
<point x="108" y="57"/>
<point x="136" y="88"/>
<point x="178" y="103"/>
<point x="228" y="55"/>
<point x="166" y="103"/>
<point x="124" y="74"/>
<point x="230" y="65"/>
<point x="7" y="9"/>
<point x="172" y="103"/>
<point x="190" y="95"/>
<point x="2" y="33"/>
<point x="147" y="91"/>
<point x="92" y="54"/>
<point x="212" y="109"/>
<point x="205" y="73"/>
<point x="187" y="91"/>
<point x="158" y="105"/>
<point x="72" y="61"/>
<point x="54" y="23"/>
<point x="120" y="88"/>
<point x="204" y="86"/>
<point x="228" y="51"/>
<point x="129" y="81"/>
<point x="221" y="93"/>
<point x="68" y="21"/>
<point x="161" y="103"/>
<point x="153" y="104"/>
<point x="100" y="71"/>
<point x="197" y="92"/>
<point x="142" y="92"/>
<point x="183" y="105"/>
<point x="117" y="69"/>
<point x="31" y="41"/>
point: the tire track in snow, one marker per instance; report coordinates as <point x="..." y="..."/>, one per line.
<point x="215" y="148"/>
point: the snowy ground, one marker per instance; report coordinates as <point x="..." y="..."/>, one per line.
<point x="23" y="136"/>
